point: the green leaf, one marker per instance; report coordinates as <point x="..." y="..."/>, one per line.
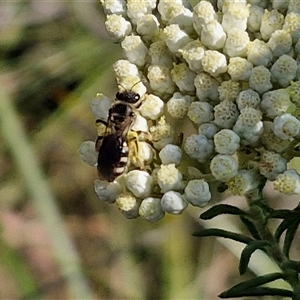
<point x="247" y="252"/>
<point x="283" y="214"/>
<point x="251" y="285"/>
<point x="281" y="228"/>
<point x="251" y="227"/>
<point x="220" y="210"/>
<point x="223" y="233"/>
<point x="289" y="237"/>
<point x="292" y="264"/>
<point x="258" y="291"/>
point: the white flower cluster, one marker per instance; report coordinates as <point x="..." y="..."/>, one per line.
<point x="226" y="78"/>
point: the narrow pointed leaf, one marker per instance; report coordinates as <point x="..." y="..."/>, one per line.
<point x="283" y="214"/>
<point x="257" y="291"/>
<point x="223" y="233"/>
<point x="291" y="264"/>
<point x="282" y="228"/>
<point x="251" y="227"/>
<point x="220" y="210"/>
<point x="289" y="237"/>
<point x="236" y="290"/>
<point x="247" y="252"/>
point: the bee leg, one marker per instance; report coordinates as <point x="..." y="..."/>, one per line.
<point x="101" y="129"/>
<point x="134" y="149"/>
<point x="99" y="121"/>
<point x="98" y="142"/>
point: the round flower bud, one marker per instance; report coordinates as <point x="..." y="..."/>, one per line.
<point x="160" y="80"/>
<point x="226" y="114"/>
<point x="169" y="178"/>
<point x="203" y="13"/>
<point x="273" y="143"/>
<point x="193" y="53"/>
<point x="175" y="38"/>
<point x="244" y="182"/>
<point x="226" y="141"/>
<point x="259" y="53"/>
<point x="206" y="87"/>
<point x="260" y="79"/>
<point x="178" y="105"/>
<point x="140" y="124"/>
<point x="170" y="154"/>
<point x="137" y="10"/>
<point x="147" y="27"/>
<point x="229" y="90"/>
<point x="197" y="192"/>
<point x="236" y="43"/>
<point x="286" y="126"/>
<point x="197" y="146"/>
<point x="178" y="14"/>
<point x="173" y="203"/>
<point x="124" y="68"/>
<point x="271" y="165"/>
<point x="208" y="130"/>
<point x="135" y="50"/>
<point x="117" y="27"/>
<point x="280" y="5"/>
<point x="100" y="106"/>
<point x="280" y="43"/>
<point x="271" y="21"/>
<point x="248" y="98"/>
<point x="293" y="6"/>
<point x="239" y="68"/>
<point x="223" y="167"/>
<point x="150" y="209"/>
<point x="214" y="63"/>
<point x="162" y="134"/>
<point x="288" y="183"/>
<point x="284" y="70"/>
<point x="165" y="6"/>
<point x="114" y="7"/>
<point x="255" y="15"/>
<point x="88" y="154"/>
<point x="139" y="183"/>
<point x="160" y="54"/>
<point x="107" y="191"/>
<point x="275" y="102"/>
<point x="183" y="78"/>
<point x="235" y="16"/>
<point x="294" y="92"/>
<point x="200" y="112"/>
<point x="128" y="205"/>
<point x="152" y="107"/>
<point x="144" y="155"/>
<point x="213" y="35"/>
<point x="292" y="25"/>
<point x="249" y="125"/>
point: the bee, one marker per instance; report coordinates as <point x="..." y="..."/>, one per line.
<point x="113" y="145"/>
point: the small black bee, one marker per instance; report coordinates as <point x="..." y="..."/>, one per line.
<point x="113" y="146"/>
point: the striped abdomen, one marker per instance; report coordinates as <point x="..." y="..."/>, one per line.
<point x="113" y="157"/>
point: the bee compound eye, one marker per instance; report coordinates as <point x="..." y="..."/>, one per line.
<point x="119" y="95"/>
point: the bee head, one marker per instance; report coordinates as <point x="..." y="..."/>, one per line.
<point x="128" y="97"/>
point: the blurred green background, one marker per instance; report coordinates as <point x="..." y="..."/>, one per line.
<point x="58" y="240"/>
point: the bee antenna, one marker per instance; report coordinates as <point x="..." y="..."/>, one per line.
<point x="131" y="87"/>
<point x="119" y="84"/>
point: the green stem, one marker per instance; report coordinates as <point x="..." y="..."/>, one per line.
<point x="258" y="213"/>
<point x="27" y="163"/>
